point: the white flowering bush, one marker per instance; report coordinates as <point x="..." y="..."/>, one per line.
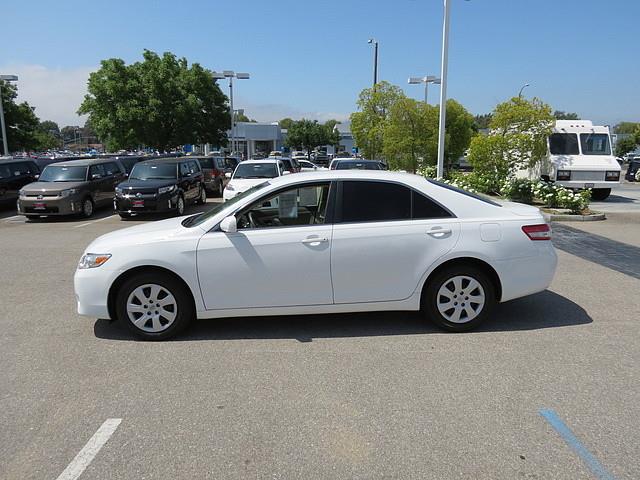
<point x="549" y="194"/>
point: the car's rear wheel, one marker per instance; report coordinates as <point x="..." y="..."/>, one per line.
<point x="154" y="306"/>
<point x="180" y="206"/>
<point x="459" y="298"/>
<point x="202" y="199"/>
<point x="600" y="194"/>
<point x="87" y="207"/>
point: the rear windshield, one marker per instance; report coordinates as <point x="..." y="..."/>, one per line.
<point x="256" y="170"/>
<point x="154" y="171"/>
<point x="595" y="144"/>
<point x="358" y="166"/>
<point x="464" y="192"/>
<point x="59" y="173"/>
<point x="206" y="162"/>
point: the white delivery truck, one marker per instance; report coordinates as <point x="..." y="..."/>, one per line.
<point x="580" y="157"/>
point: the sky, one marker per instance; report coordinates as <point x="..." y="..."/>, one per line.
<point x="311" y="59"/>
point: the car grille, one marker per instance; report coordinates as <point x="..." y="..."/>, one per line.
<point x="587" y="175"/>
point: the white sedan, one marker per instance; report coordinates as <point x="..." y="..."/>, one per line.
<point x="341" y="241"/>
<point x="250" y="173"/>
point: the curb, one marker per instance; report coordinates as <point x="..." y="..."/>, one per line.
<point x="554" y="217"/>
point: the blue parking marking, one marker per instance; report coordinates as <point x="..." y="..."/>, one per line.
<point x="567" y="435"/>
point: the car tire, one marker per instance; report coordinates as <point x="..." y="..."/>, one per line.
<point x="600" y="194"/>
<point x="125" y="216"/>
<point x="180" y="206"/>
<point x="202" y="198"/>
<point x="447" y="299"/>
<point x="220" y="190"/>
<point x="87" y="207"/>
<point x="171" y="300"/>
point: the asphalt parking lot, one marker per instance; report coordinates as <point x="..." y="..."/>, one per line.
<point x="376" y="395"/>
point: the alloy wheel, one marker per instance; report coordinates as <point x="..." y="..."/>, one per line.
<point x="87" y="207"/>
<point x="180" y="206"/>
<point x="460" y="299"/>
<point x="152" y="308"/>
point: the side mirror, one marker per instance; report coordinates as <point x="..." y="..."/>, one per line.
<point x="36" y="176"/>
<point x="96" y="176"/>
<point x="229" y="224"/>
<point x="227" y="175"/>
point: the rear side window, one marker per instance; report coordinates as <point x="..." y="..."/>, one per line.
<point x="374" y="202"/>
<point x="423" y="207"/>
<point x="194" y="166"/>
<point x="96" y="171"/>
<point x="111" y="168"/>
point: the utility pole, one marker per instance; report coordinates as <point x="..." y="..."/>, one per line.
<point x="5" y="143"/>
<point x="374" y="42"/>
<point x="443" y="89"/>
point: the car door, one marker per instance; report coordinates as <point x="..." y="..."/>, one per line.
<point x="279" y="257"/>
<point x="114" y="175"/>
<point x="98" y="183"/>
<point x="385" y="239"/>
<point x="197" y="178"/>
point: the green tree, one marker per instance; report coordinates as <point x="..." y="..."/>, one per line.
<point x="482" y="121"/>
<point x="307" y="134"/>
<point x="459" y="128"/>
<point x="332" y="134"/>
<point x="626" y="145"/>
<point x="560" y="115"/>
<point x="241" y="117"/>
<point x="411" y="135"/>
<point x="20" y="120"/>
<point x="160" y="102"/>
<point x="367" y="124"/>
<point x="627" y="127"/>
<point x="286" y="123"/>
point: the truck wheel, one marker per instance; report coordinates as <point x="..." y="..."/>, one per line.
<point x="600" y="194"/>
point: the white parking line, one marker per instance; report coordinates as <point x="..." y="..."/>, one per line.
<point x="95" y="221"/>
<point x="82" y="225"/>
<point x="90" y="450"/>
<point x="12" y="219"/>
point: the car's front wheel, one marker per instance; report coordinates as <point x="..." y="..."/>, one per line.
<point x="154" y="306"/>
<point x="87" y="207"/>
<point x="459" y="298"/>
<point x="180" y="206"/>
<point x="202" y="199"/>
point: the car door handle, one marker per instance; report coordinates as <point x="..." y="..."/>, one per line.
<point x="439" y="232"/>
<point x="311" y="241"/>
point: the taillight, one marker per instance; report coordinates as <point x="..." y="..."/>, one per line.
<point x="215" y="172"/>
<point x="563" y="175"/>
<point x="537" y="232"/>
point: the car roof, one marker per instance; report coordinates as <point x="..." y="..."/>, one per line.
<point x="168" y="159"/>
<point x="263" y="160"/>
<point x="13" y="160"/>
<point x="84" y="162"/>
<point x="384" y="175"/>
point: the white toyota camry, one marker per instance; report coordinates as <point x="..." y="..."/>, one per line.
<point x="321" y="242"/>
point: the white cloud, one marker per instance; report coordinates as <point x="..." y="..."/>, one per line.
<point x="56" y="93"/>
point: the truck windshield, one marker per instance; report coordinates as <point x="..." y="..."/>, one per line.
<point x="563" y="144"/>
<point x="595" y="144"/>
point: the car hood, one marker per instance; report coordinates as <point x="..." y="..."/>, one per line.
<point x="51" y="187"/>
<point x="133" y="184"/>
<point x="141" y="234"/>
<point x="242" y="184"/>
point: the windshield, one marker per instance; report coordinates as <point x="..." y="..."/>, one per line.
<point x="58" y="173"/>
<point x="256" y="170"/>
<point x="203" y="217"/>
<point x="358" y="166"/>
<point x="563" y="144"/>
<point x="154" y="171"/>
<point x="595" y="144"/>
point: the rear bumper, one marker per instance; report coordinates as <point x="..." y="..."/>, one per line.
<point x="524" y="276"/>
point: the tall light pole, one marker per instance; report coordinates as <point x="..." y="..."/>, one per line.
<point x="426" y="80"/>
<point x="230" y="74"/>
<point x="5" y="144"/>
<point x="443" y="88"/>
<point x="374" y="42"/>
<point x="521" y="89"/>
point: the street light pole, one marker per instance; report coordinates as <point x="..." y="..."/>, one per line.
<point x="5" y="144"/>
<point x="375" y="60"/>
<point x="521" y="89"/>
<point x="426" y="80"/>
<point x="443" y="89"/>
<point x="230" y="74"/>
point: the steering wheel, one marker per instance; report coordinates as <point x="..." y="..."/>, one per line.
<point x="252" y="221"/>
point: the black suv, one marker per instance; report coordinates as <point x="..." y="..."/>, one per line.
<point x="161" y="185"/>
<point x="15" y="173"/>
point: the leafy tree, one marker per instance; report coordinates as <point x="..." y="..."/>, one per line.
<point x="517" y="140"/>
<point x="332" y="134"/>
<point x="560" y="115"/>
<point x="626" y="145"/>
<point x="411" y="135"/>
<point x="367" y="125"/>
<point x="627" y="127"/>
<point x="286" y="123"/>
<point x="307" y="134"/>
<point x="159" y="102"/>
<point x="241" y="117"/>
<point x="459" y="128"/>
<point x="20" y="120"/>
<point x="482" y="121"/>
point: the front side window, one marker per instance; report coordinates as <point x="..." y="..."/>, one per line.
<point x="302" y="205"/>
<point x="256" y="170"/>
<point x="374" y="202"/>
<point x="563" y="144"/>
<point x="595" y="144"/>
<point x="111" y="168"/>
<point x="58" y="173"/>
<point x="96" y="171"/>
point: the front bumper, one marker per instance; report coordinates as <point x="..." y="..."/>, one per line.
<point x="148" y="203"/>
<point x="579" y="184"/>
<point x="91" y="287"/>
<point x="49" y="205"/>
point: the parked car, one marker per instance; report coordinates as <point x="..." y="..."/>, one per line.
<point x="75" y="187"/>
<point x="632" y="169"/>
<point x="321" y="158"/>
<point x="251" y="173"/>
<point x="129" y="161"/>
<point x="161" y="185"/>
<point x="15" y="173"/>
<point x="214" y="170"/>
<point x="291" y="165"/>
<point x="361" y="240"/>
<point x="355" y="164"/>
<point x="307" y="166"/>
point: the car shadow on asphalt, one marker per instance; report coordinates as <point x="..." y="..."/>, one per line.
<point x="543" y="310"/>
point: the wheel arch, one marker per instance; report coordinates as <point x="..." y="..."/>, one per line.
<point x="466" y="261"/>
<point x="126" y="275"/>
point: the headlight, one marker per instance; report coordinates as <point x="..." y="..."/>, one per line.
<point x="93" y="260"/>
<point x="67" y="192"/>
<point x="612" y="176"/>
<point x="22" y="193"/>
<point x="170" y="189"/>
<point x="119" y="190"/>
<point x="563" y="175"/>
<point x="229" y="187"/>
